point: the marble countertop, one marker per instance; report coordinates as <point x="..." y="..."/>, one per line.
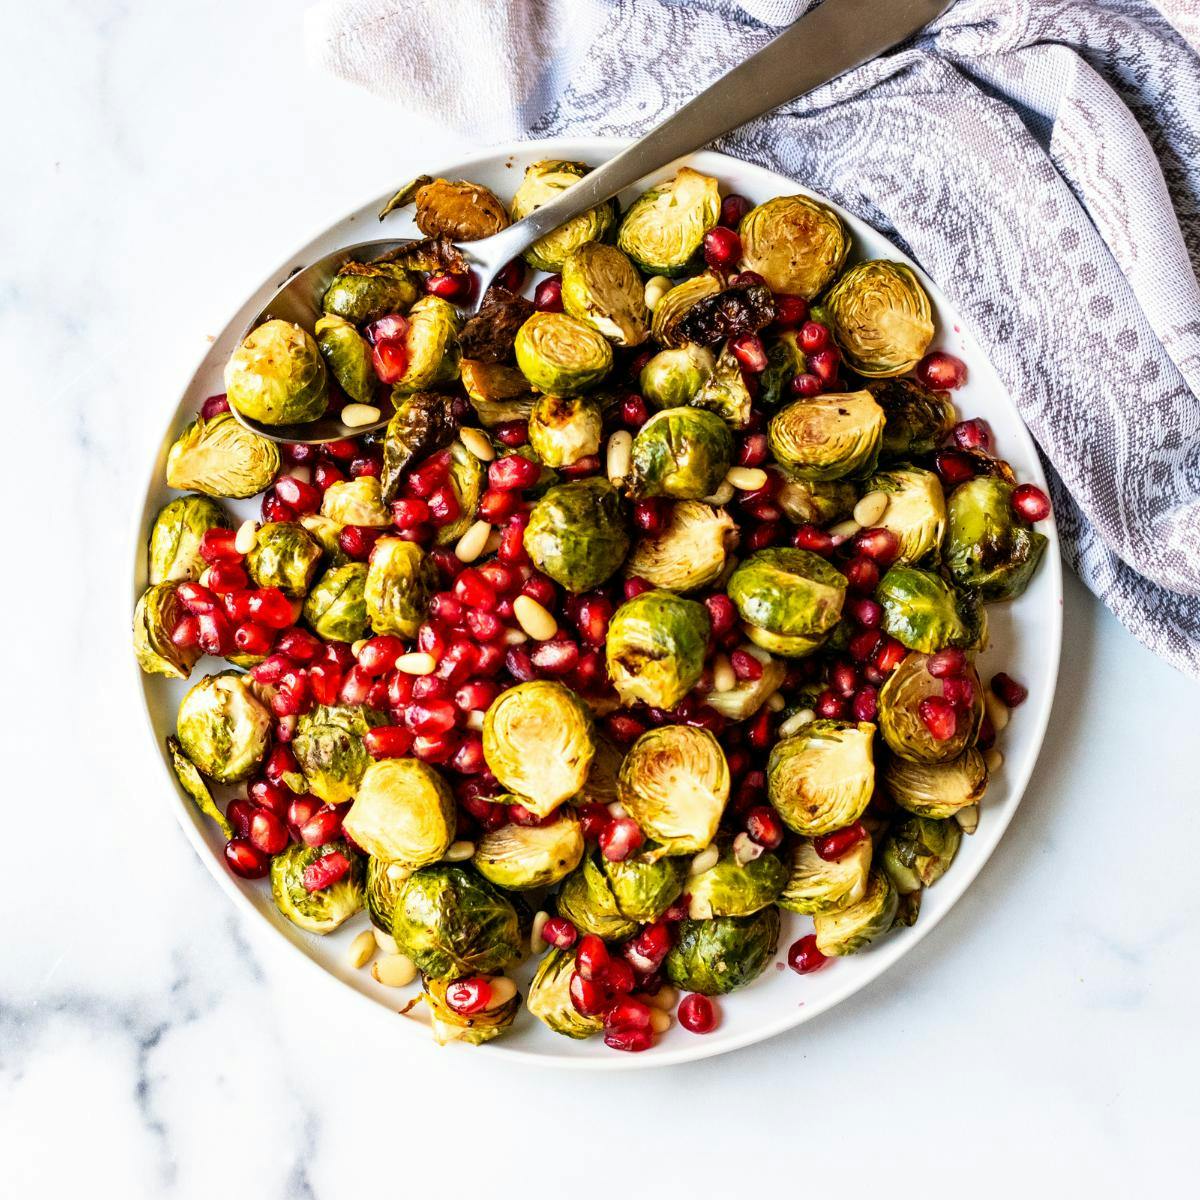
<point x="161" y="158"/>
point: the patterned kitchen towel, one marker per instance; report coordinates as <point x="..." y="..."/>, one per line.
<point x="1040" y="158"/>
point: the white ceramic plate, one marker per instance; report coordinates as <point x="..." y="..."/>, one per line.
<point x="1026" y="639"/>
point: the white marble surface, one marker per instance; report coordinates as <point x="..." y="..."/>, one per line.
<point x="159" y="158"/>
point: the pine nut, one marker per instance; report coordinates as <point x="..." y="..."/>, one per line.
<point x="763" y="656"/>
<point x="844" y="529"/>
<point x="796" y="722"/>
<point x="362" y="949"/>
<point x="474" y="721"/>
<point x="724" y="678"/>
<point x="997" y="711"/>
<point x="300" y="472"/>
<point x="203" y="580"/>
<point x="617" y="810"/>
<point x="503" y="990"/>
<point x="665" y="998"/>
<point x="356" y="647"/>
<point x="620" y="451"/>
<point x="746" y="479"/>
<point x="870" y="508"/>
<point x="394" y="970"/>
<point x="247" y="537"/>
<point x="358" y="415"/>
<point x="536" y="942"/>
<point x="534" y="619"/>
<point x="476" y="441"/>
<point x="657" y="286"/>
<point x="459" y="852"/>
<point x="416" y="662"/>
<point x="470" y="545"/>
<point x="721" y="496"/>
<point x="776" y="702"/>
<point x="745" y="849"/>
<point x="968" y="818"/>
<point x="704" y="861"/>
<point x="515" y="637"/>
<point x="385" y="941"/>
<point x="398" y="872"/>
<point x="993" y="760"/>
<point x="660" y="1021"/>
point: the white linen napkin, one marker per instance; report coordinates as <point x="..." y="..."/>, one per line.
<point x="1040" y="158"/>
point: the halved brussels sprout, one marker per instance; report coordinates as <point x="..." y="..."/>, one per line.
<point x="987" y="546"/>
<point x="433" y="355"/>
<point x="323" y="910"/>
<point x="674" y="783"/>
<point x="600" y="787"/>
<point x="454" y="209"/>
<point x="788" y="591"/>
<point x="400" y="580"/>
<point x="847" y="930"/>
<point x="328" y="745"/>
<point x="543" y="182"/>
<point x="785" y="360"/>
<point x="403" y="811"/>
<point x="916" y="511"/>
<point x="577" y="533"/>
<point x="689" y="552"/>
<point x="385" y="882"/>
<point x="451" y="922"/>
<point x="347" y="355"/>
<point x="724" y="953"/>
<point x="174" y="547"/>
<point x="356" y="502"/>
<point x="816" y="502"/>
<point x="918" y="852"/>
<point x="277" y="375"/>
<point x="815" y="885"/>
<point x="586" y="899"/>
<point x="664" y="227"/>
<point x="747" y="696"/>
<point x="154" y="620"/>
<point x="222" y="728"/>
<point x="916" y="419"/>
<point x="683" y="453"/>
<point x="734" y="889"/>
<point x="602" y="288"/>
<point x="483" y="1026"/>
<point x="828" y="436"/>
<point x="193" y="783"/>
<point x="881" y="317"/>
<point x="221" y="457"/>
<point x="725" y="392"/>
<point x="655" y="649"/>
<point x="519" y="857"/>
<point x="821" y="778"/>
<point x="538" y="742"/>
<point x="423" y="422"/>
<point x="497" y="392"/>
<point x="560" y="354"/>
<point x="564" y="429"/>
<point x="550" y="997"/>
<point x="796" y="244"/>
<point x="922" y="611"/>
<point x="673" y="378"/>
<point x="936" y="789"/>
<point x="645" y="889"/>
<point x="900" y="719"/>
<point x="363" y="292"/>
<point x="739" y="308"/>
<point x="336" y="608"/>
<point x="284" y="557"/>
<point x="322" y="530"/>
<point x="670" y="309"/>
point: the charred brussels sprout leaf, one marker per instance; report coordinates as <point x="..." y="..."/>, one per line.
<point x="726" y="393"/>
<point x="550" y="997"/>
<point x="285" y="557"/>
<point x="498" y="393"/>
<point x="559" y="354"/>
<point x="674" y="378"/>
<point x="655" y="649"/>
<point x="221" y="457"/>
<point x="919" y="851"/>
<point x="847" y="930"/>
<point x="328" y="745"/>
<point x="881" y="317"/>
<point x="815" y="885"/>
<point x="829" y="436"/>
<point x="900" y="720"/>
<point x="644" y="890"/>
<point x="403" y="812"/>
<point x="489" y="1023"/>
<point x="519" y="857"/>
<point x="336" y="608"/>
<point x="816" y="502"/>
<point x="788" y="591"/>
<point x="433" y="352"/>
<point x="987" y="546"/>
<point x="174" y="550"/>
<point x="741" y="308"/>
<point x="222" y="728"/>
<point x="451" y="922"/>
<point x="320" y="911"/>
<point x="577" y="533"/>
<point x="363" y="292"/>
<point x="675" y="305"/>
<point x="602" y="288"/>
<point x="664" y="227"/>
<point x="489" y="336"/>
<point x="588" y="902"/>
<point x="455" y="209"/>
<point x="795" y="244"/>
<point x="922" y="611"/>
<point x="564" y="429"/>
<point x="916" y="511"/>
<point x="546" y="181"/>
<point x="277" y="375"/>
<point x="916" y="419"/>
<point x="690" y="552"/>
<point x="937" y="790"/>
<point x="683" y="453"/>
<point x="347" y="354"/>
<point x="157" y="614"/>
<point x="734" y="889"/>
<point x="193" y="783"/>
<point x="423" y="422"/>
<point x="356" y="502"/>
<point x="822" y="778"/>
<point x="785" y="360"/>
<point x="747" y="696"/>
<point x="722" y="954"/>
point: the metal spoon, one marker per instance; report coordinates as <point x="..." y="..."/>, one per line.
<point x="832" y="39"/>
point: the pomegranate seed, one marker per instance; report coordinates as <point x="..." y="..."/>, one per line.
<point x="941" y="371"/>
<point x="559" y="932"/>
<point x="650" y="515"/>
<point x="809" y="537"/>
<point x="298" y="644"/>
<point x="512" y="433"/>
<point x="624" y="728"/>
<point x="592" y="958"/>
<point x="228" y="577"/>
<point x="824" y="365"/>
<point x="620" y="838"/>
<point x="733" y="209"/>
<point x="302" y="810"/>
<point x="390" y="360"/>
<point x="217" y="545"/>
<point x="458" y="662"/>
<point x="628" y="1014"/>
<point x="280" y="762"/>
<point x="356" y="686"/>
<point x="790" y="311"/>
<point x="196" y="598"/>
<point x="378" y="654"/>
<point x="439" y="749"/>
<point x="954" y="467"/>
<point x="634" y="413"/>
<point x="298" y="452"/>
<point x="758" y="732"/>
<point x="588" y="997"/>
<point x="592" y="617"/>
<point x="764" y="827"/>
<point x="972" y="435"/>
<point x="388" y="741"/>
<point x="830" y="705"/>
<point x="1028" y="501"/>
<point x="513" y="472"/>
<point x="697" y="1014"/>
<point x="805" y="384"/>
<point x="325" y="871"/>
<point x="239" y="813"/>
<point x="357" y="541"/>
<point x="368" y="465"/>
<point x="472" y="590"/>
<point x="269" y="795"/>
<point x="619" y="977"/>
<point x="213" y="634"/>
<point x="721" y="614"/>
<point x="803" y="956"/>
<point x="299" y="496"/>
<point x="647" y="949"/>
<point x="813" y="337"/>
<point x="214" y="406"/>
<point x="861" y="574"/>
<point x="1009" y="690"/>
<point x="592" y="820"/>
<point x="391" y="326"/>
<point x="431" y="718"/>
<point x="867" y="612"/>
<point x="274" y="509"/>
<point x="745" y="665"/>
<point x="186" y="633"/>
<point x="519" y="665"/>
<point x="748" y="349"/>
<point x="939" y="717"/>
<point x="865" y="704"/>
<point x="987" y="734"/>
<point x="326" y="474"/>
<point x="880" y="545"/>
<point x="270" y="607"/>
<point x="245" y="860"/>
<point x="476" y="696"/>
<point x="468" y="759"/>
<point x="236" y="604"/>
<point x="863" y="645"/>
<point x="410" y="512"/>
<point x="722" y="247"/>
<point x="468" y="996"/>
<point x="541" y="589"/>
<point x="946" y="663"/>
<point x="456" y="289"/>
<point x="843" y="678"/>
<point x="268" y="833"/>
<point x="547" y="296"/>
<point x="489" y="658"/>
<point x="838" y="844"/>
<point x="431" y="687"/>
<point x="495" y="506"/>
<point x="322" y="827"/>
<point x="635" y="585"/>
<point x="253" y="639"/>
<point x="632" y="1040"/>
<point x="443" y="505"/>
<point x="959" y="691"/>
<point x="753" y="450"/>
<point x="511" y="275"/>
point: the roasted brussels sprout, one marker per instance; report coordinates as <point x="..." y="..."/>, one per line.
<point x="816" y="502"/>
<point x="674" y="783"/>
<point x="174" y="548"/>
<point x="284" y="557"/>
<point x="322" y="530"/>
<point x="336" y="608"/>
<point x="785" y="360"/>
<point x="673" y="378"/>
<point x="490" y="1022"/>
<point x="356" y="502"/>
<point x="645" y="889"/>
<point x="543" y="182"/>
<point x="558" y="353"/>
<point x="577" y="533"/>
<point x="722" y="954"/>
<point x="519" y="857"/>
<point x="670" y="309"/>
<point x="847" y="930"/>
<point x="403" y="811"/>
<point x="821" y="778"/>
<point x="221" y="457"/>
<point x="564" y="429"/>
<point x="828" y="436"/>
<point x="400" y="580"/>
<point x="689" y="552"/>
<point x="916" y="511"/>
<point x="193" y="783"/>
<point x="600" y="787"/>
<point x="786" y="645"/>
<point x="422" y="422"/>
<point x="602" y="288"/>
<point x="550" y="997"/>
<point x="323" y="909"/>
<point x="922" y="611"/>
<point x="683" y="453"/>
<point x="347" y="355"/>
<point x="538" y="742"/>
<point x="735" y="889"/>
<point x="222" y="728"/>
<point x="739" y="308"/>
<point x="725" y="392"/>
<point x="881" y="317"/>
<point x="987" y="546"/>
<point x="816" y="885"/>
<point x="655" y="649"/>
<point x="490" y="335"/>
<point x="795" y="244"/>
<point x="787" y="591"/>
<point x="497" y="392"/>
<point x="433" y="354"/>
<point x="936" y="789"/>
<point x="664" y="227"/>
<point x="328" y="745"/>
<point x="915" y="419"/>
<point x="454" y="209"/>
<point x="363" y="292"/>
<point x="277" y="375"/>
<point x="747" y="696"/>
<point x="154" y="620"/>
<point x="918" y="852"/>
<point x="586" y="899"/>
<point x="900" y="719"/>
<point x="385" y="882"/>
<point x="451" y="922"/>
